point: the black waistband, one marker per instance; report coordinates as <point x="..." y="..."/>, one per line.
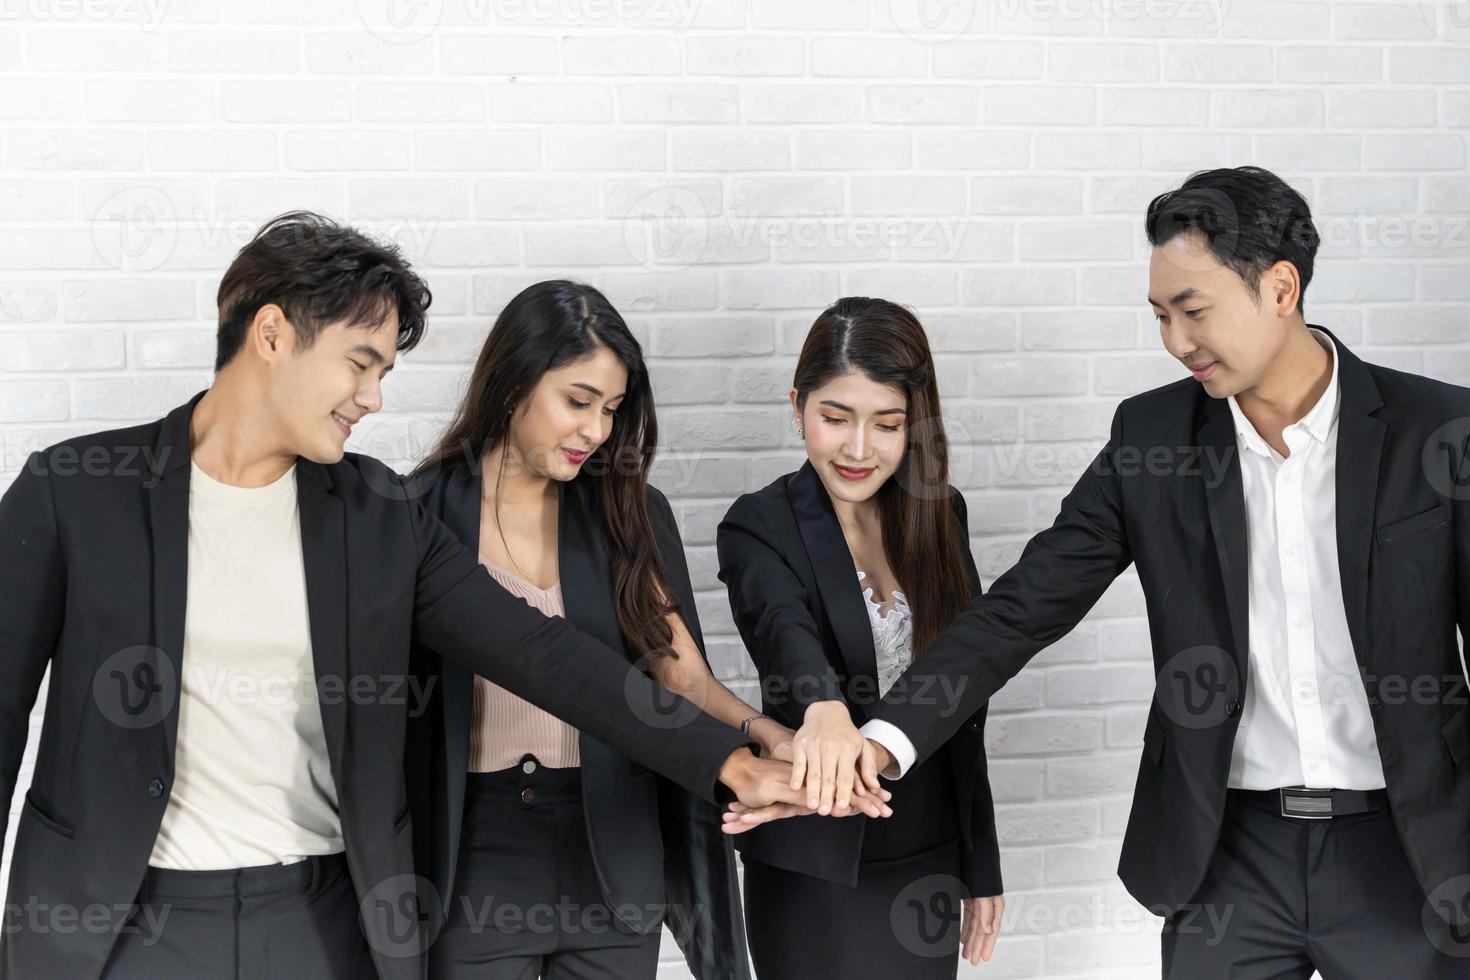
<point x="1303" y="803"/>
<point x="305" y="875"/>
<point x="546" y="785"/>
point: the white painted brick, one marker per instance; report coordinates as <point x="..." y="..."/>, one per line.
<point x="804" y="103"/>
<point x="732" y="336"/>
<point x="134" y="398"/>
<point x="907" y="195"/>
<point x="40" y="400"/>
<point x="40" y="100"/>
<point x="852" y="149"/>
<point x="1378" y="108"/>
<point x="1295" y="152"/>
<point x="1273" y="107"/>
<point x="746" y="55"/>
<point x="27" y="302"/>
<point x="1041" y="105"/>
<point x="236" y="52"/>
<point x="394" y="197"/>
<point x="95" y="51"/>
<point x="73" y="149"/>
<point x="346" y="150"/>
<point x="1000" y="377"/>
<point x="701" y="103"/>
<point x="776" y="289"/>
<point x="1256" y="18"/>
<point x="1073" y="240"/>
<point x="923" y="104"/>
<point x="1078" y="330"/>
<point x="620" y="56"/>
<point x="1202" y="151"/>
<point x="1380" y="22"/>
<point x="536" y="198"/>
<point x="739" y="150"/>
<point x="313" y="101"/>
<point x="401" y="101"/>
<point x="844" y="57"/>
<point x="255" y="199"/>
<point x="1026" y="195"/>
<point x="967" y="149"/>
<point x="176" y="100"/>
<point x="1322" y="64"/>
<point x="498" y="54"/>
<point x="1216" y="62"/>
<point x="988" y="59"/>
<point x="127" y="299"/>
<point x="36" y="199"/>
<point x="478" y="149"/>
<point x="584" y="245"/>
<point x="1415" y="151"/>
<point x="1087" y="151"/>
<point x="63" y="350"/>
<point x="205" y="150"/>
<point x="1112" y="62"/>
<point x="185" y="348"/>
<point x="1154" y="107"/>
<point x="813" y="14"/>
<point x="1428" y="66"/>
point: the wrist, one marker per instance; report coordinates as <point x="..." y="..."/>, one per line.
<point x="819" y="709"/>
<point x="736" y="769"/>
<point x="882" y="756"/>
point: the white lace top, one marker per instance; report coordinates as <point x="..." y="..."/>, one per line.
<point x="893" y="635"/>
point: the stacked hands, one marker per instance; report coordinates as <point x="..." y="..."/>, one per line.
<point x="829" y="768"/>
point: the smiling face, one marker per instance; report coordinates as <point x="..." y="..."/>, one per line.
<point x="319" y="392"/>
<point x="1226" y="333"/>
<point x="855" y="433"/>
<point x="568" y="415"/>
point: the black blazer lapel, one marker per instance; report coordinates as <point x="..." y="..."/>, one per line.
<point x="836" y="574"/>
<point x="324" y="557"/>
<point x="1226" y="500"/>
<point x="1359" y="452"/>
<point x="460" y="511"/>
<point x="168" y="519"/>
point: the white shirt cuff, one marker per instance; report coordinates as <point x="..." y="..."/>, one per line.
<point x="892" y="738"/>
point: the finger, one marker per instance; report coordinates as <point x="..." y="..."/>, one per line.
<point x="831" y="756"/>
<point x="846" y="771"/>
<point x="798" y="764"/>
<point x="868" y="766"/>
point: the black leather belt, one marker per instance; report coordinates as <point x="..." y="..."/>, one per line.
<point x="1307" y="803"/>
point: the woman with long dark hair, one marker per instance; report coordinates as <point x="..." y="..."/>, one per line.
<point x="552" y="854"/>
<point x="837" y="575"/>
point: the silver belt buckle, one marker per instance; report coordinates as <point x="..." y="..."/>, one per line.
<point x="1306" y="803"/>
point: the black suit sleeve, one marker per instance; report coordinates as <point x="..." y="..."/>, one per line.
<point x="769" y="606"/>
<point x="1061" y="574"/>
<point x="32" y="606"/>
<point x="980" y="863"/>
<point x="462" y="613"/>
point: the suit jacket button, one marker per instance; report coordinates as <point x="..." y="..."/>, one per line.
<point x="1232" y="707"/>
<point x="155" y="788"/>
<point x="528" y="795"/>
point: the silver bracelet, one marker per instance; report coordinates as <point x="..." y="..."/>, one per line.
<point x="745" y="725"/>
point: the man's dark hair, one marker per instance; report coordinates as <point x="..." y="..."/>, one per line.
<point x="318" y="272"/>
<point x="1250" y="218"/>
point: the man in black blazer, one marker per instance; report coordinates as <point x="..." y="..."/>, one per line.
<point x="149" y="783"/>
<point x="1299" y="524"/>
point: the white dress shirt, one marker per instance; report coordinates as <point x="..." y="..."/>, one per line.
<point x="1305" y="720"/>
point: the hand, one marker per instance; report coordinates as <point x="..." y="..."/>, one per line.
<point x="981" y="927"/>
<point x="759" y="783"/>
<point x="739" y="818"/>
<point x="774" y="738"/>
<point x="825" y="756"/>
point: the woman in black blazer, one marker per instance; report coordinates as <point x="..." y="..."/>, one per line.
<point x="837" y="574"/>
<point x="543" y="868"/>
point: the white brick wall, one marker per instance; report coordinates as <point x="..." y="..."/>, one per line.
<point x="723" y="169"/>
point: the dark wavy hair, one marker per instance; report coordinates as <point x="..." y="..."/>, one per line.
<point x="921" y="539"/>
<point x="1250" y="218"/>
<point x="544" y="327"/>
<point x="319" y="273"/>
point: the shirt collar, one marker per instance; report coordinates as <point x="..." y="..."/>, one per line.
<point x="1319" y="418"/>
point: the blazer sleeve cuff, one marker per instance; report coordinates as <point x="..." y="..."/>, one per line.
<point x="892" y="738"/>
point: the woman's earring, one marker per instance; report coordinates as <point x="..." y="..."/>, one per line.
<point x="800" y="430"/>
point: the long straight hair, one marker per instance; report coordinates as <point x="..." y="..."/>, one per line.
<point x="544" y="327"/>
<point x="921" y="539"/>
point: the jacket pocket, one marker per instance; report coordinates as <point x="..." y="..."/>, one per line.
<point x="1434" y="517"/>
<point x="46" y="819"/>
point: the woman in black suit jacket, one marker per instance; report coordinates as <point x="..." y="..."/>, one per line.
<point x="811" y="561"/>
<point x="619" y="847"/>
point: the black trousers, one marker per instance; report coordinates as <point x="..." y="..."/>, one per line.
<point x="527" y="902"/>
<point x="1284" y="896"/>
<point x="274" y="922"/>
<point x="901" y="921"/>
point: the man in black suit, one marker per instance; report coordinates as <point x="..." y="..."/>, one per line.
<point x="1299" y="524"/>
<point x="226" y="602"/>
